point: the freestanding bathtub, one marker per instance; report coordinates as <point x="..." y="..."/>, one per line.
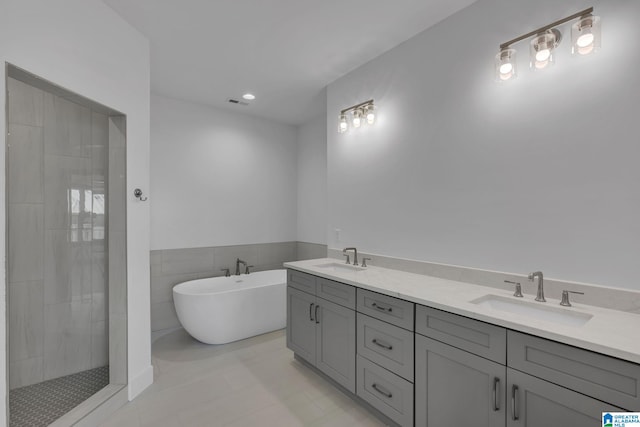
<point x="219" y="310"/>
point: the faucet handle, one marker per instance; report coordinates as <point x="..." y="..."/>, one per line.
<point x="348" y="259"/>
<point x="246" y="268"/>
<point x="518" y="292"/>
<point x="227" y="272"/>
<point x="565" y="297"/>
<point x="364" y="261"/>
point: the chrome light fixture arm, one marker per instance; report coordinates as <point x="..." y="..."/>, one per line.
<point x="541" y="30"/>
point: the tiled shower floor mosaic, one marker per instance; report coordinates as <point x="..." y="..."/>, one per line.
<point x="43" y="403"/>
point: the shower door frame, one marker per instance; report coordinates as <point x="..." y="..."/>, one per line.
<point x="116" y="393"/>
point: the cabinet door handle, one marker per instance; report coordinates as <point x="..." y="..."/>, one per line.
<point x="515" y="413"/>
<point x="381" y="308"/>
<point x="381" y="390"/>
<point x="310" y="310"/>
<point x="496" y="394"/>
<point x="316" y="314"/>
<point x="380" y="344"/>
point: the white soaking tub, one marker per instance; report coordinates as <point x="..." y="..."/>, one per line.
<point x="219" y="310"/>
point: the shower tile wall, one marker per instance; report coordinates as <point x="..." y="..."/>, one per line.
<point x="172" y="266"/>
<point x="58" y="153"/>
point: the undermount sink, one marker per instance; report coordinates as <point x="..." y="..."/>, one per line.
<point x="533" y="310"/>
<point x="336" y="266"/>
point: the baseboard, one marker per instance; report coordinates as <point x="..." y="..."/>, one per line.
<point x="140" y="382"/>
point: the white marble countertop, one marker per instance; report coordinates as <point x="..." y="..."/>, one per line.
<point x="611" y="332"/>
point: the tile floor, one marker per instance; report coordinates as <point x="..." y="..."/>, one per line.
<point x="254" y="382"/>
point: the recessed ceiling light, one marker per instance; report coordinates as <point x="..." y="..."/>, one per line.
<point x="249" y="96"/>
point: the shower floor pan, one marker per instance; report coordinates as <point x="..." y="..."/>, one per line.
<point x="43" y="403"/>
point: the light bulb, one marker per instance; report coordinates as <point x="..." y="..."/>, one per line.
<point x="585" y="40"/>
<point x="343" y="126"/>
<point x="506" y="69"/>
<point x="505" y="63"/>
<point x="249" y="96"/>
<point x="541" y="49"/>
<point x="371" y="114"/>
<point x="585" y="35"/>
<point x="543" y="55"/>
<point x="371" y="118"/>
<point x="357" y="118"/>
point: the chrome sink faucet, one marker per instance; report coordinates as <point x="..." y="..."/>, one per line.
<point x="238" y="262"/>
<point x="355" y="255"/>
<point x="540" y="294"/>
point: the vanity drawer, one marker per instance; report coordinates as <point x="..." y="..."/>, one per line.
<point x="342" y="294"/>
<point x="392" y="310"/>
<point x="605" y="378"/>
<point x="387" y="392"/>
<point x="302" y="281"/>
<point x="482" y="339"/>
<point x="387" y="345"/>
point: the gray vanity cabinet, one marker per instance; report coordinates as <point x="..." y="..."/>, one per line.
<point x="456" y="388"/>
<point x="301" y="326"/>
<point x="537" y="403"/>
<point x="320" y="331"/>
<point x="417" y="363"/>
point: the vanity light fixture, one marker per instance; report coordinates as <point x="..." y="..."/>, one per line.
<point x="585" y="36"/>
<point x="360" y="113"/>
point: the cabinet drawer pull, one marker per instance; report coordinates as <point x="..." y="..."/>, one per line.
<point x="380" y="344"/>
<point x="496" y="394"/>
<point x="382" y="391"/>
<point x="381" y="308"/>
<point x="310" y="310"/>
<point x="316" y="314"/>
<point x="515" y="413"/>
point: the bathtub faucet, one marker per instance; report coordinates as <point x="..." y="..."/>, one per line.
<point x="238" y="262"/>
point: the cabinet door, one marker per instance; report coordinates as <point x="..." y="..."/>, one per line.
<point x="457" y="388"/>
<point x="301" y="324"/>
<point x="336" y="343"/>
<point x="537" y="403"/>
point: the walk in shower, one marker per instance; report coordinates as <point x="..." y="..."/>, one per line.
<point x="66" y="246"/>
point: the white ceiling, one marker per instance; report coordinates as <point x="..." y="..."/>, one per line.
<point x="283" y="51"/>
